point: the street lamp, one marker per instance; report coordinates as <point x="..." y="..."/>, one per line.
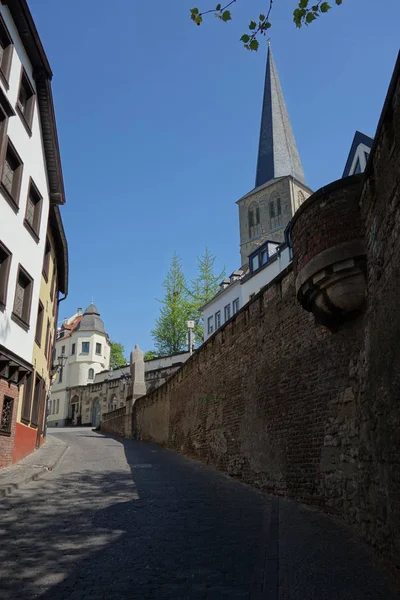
<point x="62" y="359"/>
<point x="190" y="326"/>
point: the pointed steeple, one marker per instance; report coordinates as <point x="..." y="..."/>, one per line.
<point x="277" y="151"/>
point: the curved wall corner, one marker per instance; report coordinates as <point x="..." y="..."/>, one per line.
<point x="329" y="253"/>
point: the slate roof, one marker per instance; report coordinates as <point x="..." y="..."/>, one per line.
<point x="277" y="152"/>
<point x="91" y="320"/>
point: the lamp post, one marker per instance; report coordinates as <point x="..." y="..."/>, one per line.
<point x="190" y="326"/>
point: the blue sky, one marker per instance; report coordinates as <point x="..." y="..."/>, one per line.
<point x="158" y="123"/>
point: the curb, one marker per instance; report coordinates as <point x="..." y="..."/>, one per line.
<point x="8" y="489"/>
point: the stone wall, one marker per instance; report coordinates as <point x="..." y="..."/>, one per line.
<point x="7" y="438"/>
<point x="117" y="422"/>
<point x="299" y="409"/>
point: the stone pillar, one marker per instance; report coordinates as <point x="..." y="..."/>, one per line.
<point x="137" y="373"/>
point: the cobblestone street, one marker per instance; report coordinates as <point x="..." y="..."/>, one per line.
<point x="122" y="519"/>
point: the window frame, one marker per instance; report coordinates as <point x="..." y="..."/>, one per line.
<point x="27" y="114"/>
<point x="46" y="259"/>
<point x="101" y="349"/>
<point x="39" y="324"/>
<point x="91" y="370"/>
<point x="210" y="325"/>
<point x="4" y="275"/>
<point x="227" y="316"/>
<point x="34" y="229"/>
<point x="85" y="351"/>
<point x="36" y="401"/>
<point x="5" y="65"/>
<point x="13" y="196"/>
<point x="23" y="320"/>
<point x="235" y="304"/>
<point x="73" y="349"/>
<point x="217" y="317"/>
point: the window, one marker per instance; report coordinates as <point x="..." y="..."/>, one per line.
<point x="255" y="263"/>
<point x="272" y="210"/>
<point x="11" y="175"/>
<point x="217" y="320"/>
<point x="33" y="210"/>
<point x="23" y="296"/>
<point x="5" y="262"/>
<point x="6" y="48"/>
<point x="39" y="324"/>
<point x="37" y="397"/>
<point x="85" y="347"/>
<point x="254" y="219"/>
<point x="46" y="259"/>
<point x="63" y="350"/>
<point x="264" y="256"/>
<point x="6" y="416"/>
<point x="227" y="312"/>
<point x="57" y="406"/>
<point x="47" y="346"/>
<point x="53" y="280"/>
<point x="91" y="374"/>
<point x="300" y="198"/>
<point x="60" y="375"/>
<point x="98" y="348"/>
<point x="26" y="101"/>
<point x="235" y="306"/>
<point x="278" y="207"/>
<point x="210" y="326"/>
<point x="72" y="349"/>
<point x="27" y="398"/>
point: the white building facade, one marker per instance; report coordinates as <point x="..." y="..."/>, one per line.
<point x="85" y="344"/>
<point x="31" y="190"/>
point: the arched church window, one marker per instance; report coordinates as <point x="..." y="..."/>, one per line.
<point x="254" y="220"/>
<point x="300" y="199"/>
<point x="91" y="374"/>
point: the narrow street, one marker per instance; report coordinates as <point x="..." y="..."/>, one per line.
<point x="120" y="519"/>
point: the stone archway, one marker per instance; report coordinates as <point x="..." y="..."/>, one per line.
<point x="96" y="412"/>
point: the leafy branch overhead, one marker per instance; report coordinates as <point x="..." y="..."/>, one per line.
<point x="304" y="14"/>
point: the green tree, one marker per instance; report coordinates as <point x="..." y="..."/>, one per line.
<point x="306" y="12"/>
<point x="170" y="332"/>
<point x="149" y="355"/>
<point x="203" y="288"/>
<point x="117" y="358"/>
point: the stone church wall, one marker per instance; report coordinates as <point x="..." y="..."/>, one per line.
<point x="296" y="408"/>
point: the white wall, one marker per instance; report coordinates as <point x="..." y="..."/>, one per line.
<point x="244" y="289"/>
<point x="227" y="296"/>
<point x="13" y="234"/>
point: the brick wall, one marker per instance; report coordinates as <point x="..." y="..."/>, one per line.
<point x="7" y="441"/>
<point x="117" y="422"/>
<point x="293" y="408"/>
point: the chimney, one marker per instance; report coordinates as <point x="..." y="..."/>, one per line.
<point x="79" y="311"/>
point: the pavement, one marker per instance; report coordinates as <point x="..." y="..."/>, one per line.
<point x="119" y="519"/>
<point x="33" y="466"/>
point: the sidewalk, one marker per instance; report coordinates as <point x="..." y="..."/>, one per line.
<point x="33" y="466"/>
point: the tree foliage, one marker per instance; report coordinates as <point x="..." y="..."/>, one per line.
<point x="150" y="355"/>
<point x="203" y="288"/>
<point x="117" y="358"/>
<point x="305" y="13"/>
<point x="170" y="331"/>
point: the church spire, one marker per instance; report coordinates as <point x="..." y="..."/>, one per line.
<point x="277" y="151"/>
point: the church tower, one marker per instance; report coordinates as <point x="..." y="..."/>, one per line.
<point x="280" y="185"/>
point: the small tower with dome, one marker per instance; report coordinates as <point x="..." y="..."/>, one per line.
<point x="82" y="339"/>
